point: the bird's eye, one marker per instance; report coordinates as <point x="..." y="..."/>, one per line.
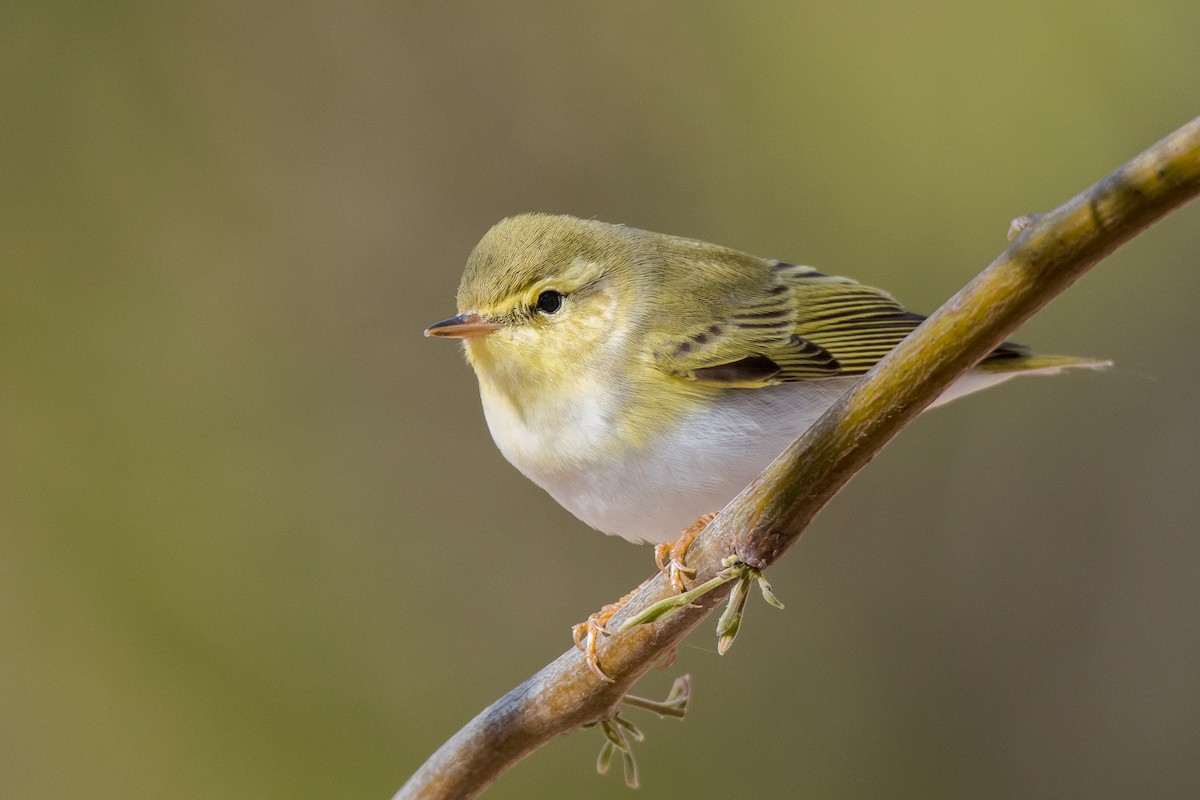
<point x="549" y="301"/>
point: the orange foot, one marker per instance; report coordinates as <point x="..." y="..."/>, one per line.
<point x="669" y="557"/>
<point x="588" y="632"/>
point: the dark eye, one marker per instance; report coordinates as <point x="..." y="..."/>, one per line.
<point x="549" y="301"/>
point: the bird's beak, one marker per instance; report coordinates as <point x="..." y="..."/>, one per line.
<point x="464" y="326"/>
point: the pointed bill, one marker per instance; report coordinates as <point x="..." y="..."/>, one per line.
<point x="464" y="326"/>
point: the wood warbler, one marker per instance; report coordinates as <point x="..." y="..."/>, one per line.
<point x="643" y="379"/>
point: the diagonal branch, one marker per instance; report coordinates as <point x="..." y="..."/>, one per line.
<point x="1050" y="252"/>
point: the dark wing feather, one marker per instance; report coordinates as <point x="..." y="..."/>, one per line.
<point x="797" y="325"/>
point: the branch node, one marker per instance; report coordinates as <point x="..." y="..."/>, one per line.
<point x="731" y="619"/>
<point x="1021" y="224"/>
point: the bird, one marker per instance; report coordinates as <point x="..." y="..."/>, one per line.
<point x="644" y="379"/>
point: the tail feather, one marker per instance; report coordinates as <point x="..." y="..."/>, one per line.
<point x="997" y="369"/>
<point x="1044" y="365"/>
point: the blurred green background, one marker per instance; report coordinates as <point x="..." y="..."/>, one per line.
<point x="256" y="540"/>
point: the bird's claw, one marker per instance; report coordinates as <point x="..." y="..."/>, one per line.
<point x="670" y="562"/>
<point x="587" y="633"/>
<point x="670" y="557"/>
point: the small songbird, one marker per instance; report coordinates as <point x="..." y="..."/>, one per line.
<point x="643" y="379"/>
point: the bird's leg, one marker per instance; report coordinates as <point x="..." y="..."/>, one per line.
<point x="670" y="557"/>
<point x="588" y="632"/>
<point x="670" y="561"/>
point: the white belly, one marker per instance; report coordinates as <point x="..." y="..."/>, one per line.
<point x="695" y="468"/>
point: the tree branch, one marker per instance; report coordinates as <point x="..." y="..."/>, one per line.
<point x="1050" y="252"/>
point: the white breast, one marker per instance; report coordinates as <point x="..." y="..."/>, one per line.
<point x="694" y="468"/>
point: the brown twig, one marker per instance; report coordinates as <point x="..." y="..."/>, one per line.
<point x="1049" y="253"/>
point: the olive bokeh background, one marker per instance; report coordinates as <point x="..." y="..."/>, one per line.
<point x="255" y="540"/>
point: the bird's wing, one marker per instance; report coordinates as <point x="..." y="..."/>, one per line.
<point x="797" y="325"/>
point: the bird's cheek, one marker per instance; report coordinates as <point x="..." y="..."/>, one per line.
<point x="497" y="351"/>
<point x="519" y="340"/>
